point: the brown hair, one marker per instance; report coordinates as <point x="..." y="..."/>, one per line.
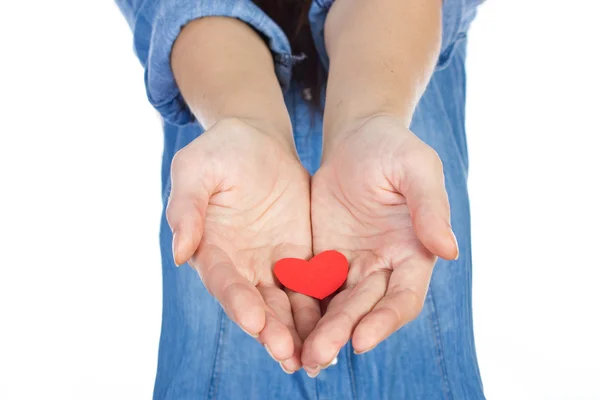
<point x="292" y="17"/>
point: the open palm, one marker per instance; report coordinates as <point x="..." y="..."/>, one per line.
<point x="240" y="202"/>
<point x="380" y="200"/>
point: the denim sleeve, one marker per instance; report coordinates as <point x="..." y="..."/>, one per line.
<point x="456" y="18"/>
<point x="156" y="25"/>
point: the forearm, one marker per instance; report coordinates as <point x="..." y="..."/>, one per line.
<point x="382" y="54"/>
<point x="225" y="70"/>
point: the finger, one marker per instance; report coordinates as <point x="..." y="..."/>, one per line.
<point x="305" y="309"/>
<point x="188" y="201"/>
<point x="240" y="299"/>
<point x="279" y="335"/>
<point x="344" y="312"/>
<point x="422" y="185"/>
<point x="401" y="304"/>
<point x="306" y="312"/>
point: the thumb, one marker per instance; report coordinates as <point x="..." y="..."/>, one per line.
<point x="188" y="201"/>
<point x="422" y="185"/>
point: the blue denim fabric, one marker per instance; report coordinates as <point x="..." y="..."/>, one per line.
<point x="203" y="355"/>
<point x="157" y="23"/>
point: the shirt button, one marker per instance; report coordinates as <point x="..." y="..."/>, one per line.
<point x="307" y="94"/>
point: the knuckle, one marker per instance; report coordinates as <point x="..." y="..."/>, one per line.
<point x="229" y="289"/>
<point x="345" y="317"/>
<point x="228" y="284"/>
<point x="277" y="301"/>
<point x="308" y="311"/>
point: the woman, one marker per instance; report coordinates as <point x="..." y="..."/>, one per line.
<point x="239" y="86"/>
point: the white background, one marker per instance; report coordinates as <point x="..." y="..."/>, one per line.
<point x="80" y="153"/>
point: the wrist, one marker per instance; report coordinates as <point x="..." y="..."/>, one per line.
<point x="336" y="132"/>
<point x="279" y="132"/>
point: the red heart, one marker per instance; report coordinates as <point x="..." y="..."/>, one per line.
<point x="319" y="277"/>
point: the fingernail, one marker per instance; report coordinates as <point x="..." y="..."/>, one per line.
<point x="175" y="243"/>
<point x="455" y="244"/>
<point x="290" y="365"/>
<point x="271" y="354"/>
<point x="285" y="369"/>
<point x="364" y="351"/>
<point x="312" y="372"/>
<point x="332" y="362"/>
<point x="251" y="334"/>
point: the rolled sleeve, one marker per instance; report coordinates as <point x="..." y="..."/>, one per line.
<point x="457" y="16"/>
<point x="156" y="25"/>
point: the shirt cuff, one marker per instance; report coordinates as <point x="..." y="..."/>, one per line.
<point x="157" y="26"/>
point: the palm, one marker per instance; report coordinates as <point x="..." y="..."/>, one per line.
<point x="261" y="217"/>
<point x="358" y="207"/>
<point x="245" y="203"/>
<point x="362" y="215"/>
<point x="250" y="219"/>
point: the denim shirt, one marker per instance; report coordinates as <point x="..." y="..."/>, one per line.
<point x="431" y="358"/>
<point x="157" y="23"/>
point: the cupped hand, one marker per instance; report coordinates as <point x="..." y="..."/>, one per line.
<point x="239" y="202"/>
<point x="379" y="198"/>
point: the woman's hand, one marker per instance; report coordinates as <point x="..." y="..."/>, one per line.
<point x="379" y="198"/>
<point x="239" y="202"/>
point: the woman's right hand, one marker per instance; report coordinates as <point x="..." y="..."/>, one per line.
<point x="239" y="202"/>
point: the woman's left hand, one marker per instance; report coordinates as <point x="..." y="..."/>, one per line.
<point x="379" y="198"/>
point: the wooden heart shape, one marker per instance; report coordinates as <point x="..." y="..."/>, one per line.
<point x="319" y="277"/>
